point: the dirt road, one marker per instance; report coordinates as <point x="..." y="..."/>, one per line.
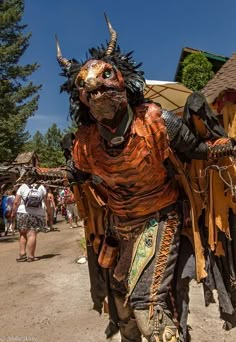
<point x="49" y="300"/>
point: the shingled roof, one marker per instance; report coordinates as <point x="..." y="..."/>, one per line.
<point x="224" y="80"/>
<point x="24" y="158"/>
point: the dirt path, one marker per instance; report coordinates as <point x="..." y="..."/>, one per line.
<point x="49" y="300"/>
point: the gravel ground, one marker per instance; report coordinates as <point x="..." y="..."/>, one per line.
<point x="49" y="300"/>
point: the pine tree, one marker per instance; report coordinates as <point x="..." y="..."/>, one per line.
<point x="36" y="144"/>
<point x="52" y="155"/>
<point x="72" y="128"/>
<point x="18" y="96"/>
<point x="47" y="147"/>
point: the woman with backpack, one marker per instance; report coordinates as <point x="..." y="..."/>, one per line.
<point x="30" y="212"/>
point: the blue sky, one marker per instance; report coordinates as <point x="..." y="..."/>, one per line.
<point x="155" y="30"/>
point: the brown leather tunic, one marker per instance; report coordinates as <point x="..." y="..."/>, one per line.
<point x="135" y="179"/>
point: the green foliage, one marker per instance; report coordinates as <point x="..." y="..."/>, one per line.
<point x="18" y="96"/>
<point x="82" y="243"/>
<point x="197" y="71"/>
<point x="48" y="147"/>
<point x="36" y="144"/>
<point x="53" y="155"/>
<point x="71" y="129"/>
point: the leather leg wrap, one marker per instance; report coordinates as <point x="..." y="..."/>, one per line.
<point x="164" y="328"/>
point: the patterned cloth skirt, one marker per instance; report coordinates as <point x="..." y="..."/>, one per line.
<point x="30" y="222"/>
<point x="152" y="272"/>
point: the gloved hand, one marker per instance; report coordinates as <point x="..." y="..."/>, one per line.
<point x="75" y="175"/>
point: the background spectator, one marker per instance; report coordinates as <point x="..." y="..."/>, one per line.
<point x="30" y="219"/>
<point x="71" y="208"/>
<point x="51" y="209"/>
<point x="7" y="205"/>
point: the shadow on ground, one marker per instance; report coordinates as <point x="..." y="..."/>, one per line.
<point x="48" y="256"/>
<point x="8" y="238"/>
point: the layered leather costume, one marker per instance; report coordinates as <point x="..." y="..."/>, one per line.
<point x="135" y="177"/>
<point x="212" y="184"/>
<point x="126" y="142"/>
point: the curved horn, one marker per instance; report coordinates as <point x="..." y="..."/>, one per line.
<point x="61" y="60"/>
<point x="113" y="39"/>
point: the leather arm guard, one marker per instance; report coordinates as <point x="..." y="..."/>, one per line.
<point x="187" y="145"/>
<point x="182" y="140"/>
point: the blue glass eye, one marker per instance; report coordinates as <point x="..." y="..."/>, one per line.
<point x="106" y="74"/>
<point x="81" y="83"/>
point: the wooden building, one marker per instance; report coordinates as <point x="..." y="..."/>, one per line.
<point x="27" y="159"/>
<point x="220" y="92"/>
<point x="26" y="166"/>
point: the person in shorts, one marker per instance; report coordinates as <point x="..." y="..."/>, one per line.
<point x="51" y="209"/>
<point x="29" y="220"/>
<point x="71" y="208"/>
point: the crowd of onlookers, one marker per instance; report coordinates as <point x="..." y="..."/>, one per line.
<point x="32" y="208"/>
<point x="58" y="200"/>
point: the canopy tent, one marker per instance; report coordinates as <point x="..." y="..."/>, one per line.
<point x="171" y="95"/>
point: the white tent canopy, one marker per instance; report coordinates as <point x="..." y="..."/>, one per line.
<point x="171" y="95"/>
